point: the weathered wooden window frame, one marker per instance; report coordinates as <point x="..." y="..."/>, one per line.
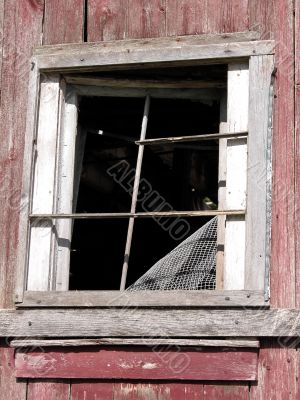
<point x="231" y="49"/>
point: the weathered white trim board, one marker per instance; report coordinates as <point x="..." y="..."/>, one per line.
<point x="201" y="298"/>
<point x="111" y="322"/>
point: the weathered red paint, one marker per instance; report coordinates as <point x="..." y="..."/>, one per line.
<point x="139" y="363"/>
<point x="9" y="387"/>
<point x="64" y="21"/>
<point x="48" y="390"/>
<point x="146" y="18"/>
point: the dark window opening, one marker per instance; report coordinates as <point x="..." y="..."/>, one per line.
<point x="181" y="176"/>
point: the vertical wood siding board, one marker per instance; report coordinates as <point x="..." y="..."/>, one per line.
<point x="1" y="39"/>
<point x="21" y="33"/>
<point x="274" y="19"/>
<point x="107" y="20"/>
<point x="297" y="192"/>
<point x="9" y="387"/>
<point x="92" y="391"/>
<point x="261" y="69"/>
<point x="64" y="21"/>
<point x="277" y="371"/>
<point x="47" y="390"/>
<point x="283" y="196"/>
<point x="297" y="40"/>
<point x="226" y="392"/>
<point x="146" y="18"/>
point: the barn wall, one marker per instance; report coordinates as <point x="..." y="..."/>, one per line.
<point x="28" y="23"/>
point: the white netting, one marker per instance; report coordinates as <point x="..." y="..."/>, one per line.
<point x="190" y="266"/>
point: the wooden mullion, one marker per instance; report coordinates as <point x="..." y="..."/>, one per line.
<point x="136" y="185"/>
<point x="171" y="214"/>
<point x="193" y="138"/>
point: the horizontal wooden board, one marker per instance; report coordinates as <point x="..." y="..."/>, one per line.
<point x="144" y="298"/>
<point x="34" y="343"/>
<point x="126" y="363"/>
<point x="136" y="322"/>
<point x="127" y="53"/>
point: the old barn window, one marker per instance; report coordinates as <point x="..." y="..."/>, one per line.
<point x="149" y="178"/>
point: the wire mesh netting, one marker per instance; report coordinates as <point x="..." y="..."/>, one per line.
<point x="190" y="266"/>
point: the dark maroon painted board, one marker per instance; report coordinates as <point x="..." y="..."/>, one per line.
<point x="128" y="363"/>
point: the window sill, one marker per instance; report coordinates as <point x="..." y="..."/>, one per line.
<point x="170" y="299"/>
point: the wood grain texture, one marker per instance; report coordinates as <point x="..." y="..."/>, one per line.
<point x="258" y="177"/>
<point x="132" y="53"/>
<point x="22" y="32"/>
<point x="47" y="390"/>
<point x="1" y="37"/>
<point x="92" y="391"/>
<point x="107" y="20"/>
<point x="146" y="18"/>
<point x="9" y="387"/>
<point x="226" y="392"/>
<point x="34" y="343"/>
<point x="64" y="21"/>
<point x="274" y="19"/>
<point x="297" y="41"/>
<point x="156" y="363"/>
<point x="297" y="189"/>
<point x="188" y="17"/>
<point x="143" y="298"/>
<point x="149" y="323"/>
<point x="278" y="371"/>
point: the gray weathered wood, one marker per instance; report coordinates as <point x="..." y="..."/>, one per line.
<point x="258" y="179"/>
<point x="99" y="55"/>
<point x="144" y="83"/>
<point x="203" y="213"/>
<point x="41" y="343"/>
<point x="162" y="42"/>
<point x="32" y="109"/>
<point x="204" y="95"/>
<point x="193" y="138"/>
<point x="201" y="298"/>
<point x="150" y="323"/>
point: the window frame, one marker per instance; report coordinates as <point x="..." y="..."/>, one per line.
<point x="195" y="50"/>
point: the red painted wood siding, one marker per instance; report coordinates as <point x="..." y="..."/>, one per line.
<point x="139" y="363"/>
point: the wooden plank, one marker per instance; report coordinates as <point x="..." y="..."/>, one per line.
<point x="47" y="390"/>
<point x="204" y="95"/>
<point x="278" y="371"/>
<point x="173" y="298"/>
<point x="35" y="343"/>
<point x="63" y="21"/>
<point x="149" y="323"/>
<point x="204" y="213"/>
<point x="132" y="53"/>
<point x="21" y="33"/>
<point x="146" y="18"/>
<point x="9" y="387"/>
<point x="92" y="391"/>
<point x="188" y="17"/>
<point x="1" y="37"/>
<point x="226" y="392"/>
<point x="180" y="391"/>
<point x="297" y="41"/>
<point x="150" y="364"/>
<point x="259" y="173"/>
<point x="144" y="83"/>
<point x="65" y="176"/>
<point x="43" y="197"/>
<point x="107" y="20"/>
<point x="194" y="138"/>
<point x="297" y="188"/>
<point x="236" y="175"/>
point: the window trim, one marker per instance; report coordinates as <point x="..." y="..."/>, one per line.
<point x="155" y="52"/>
